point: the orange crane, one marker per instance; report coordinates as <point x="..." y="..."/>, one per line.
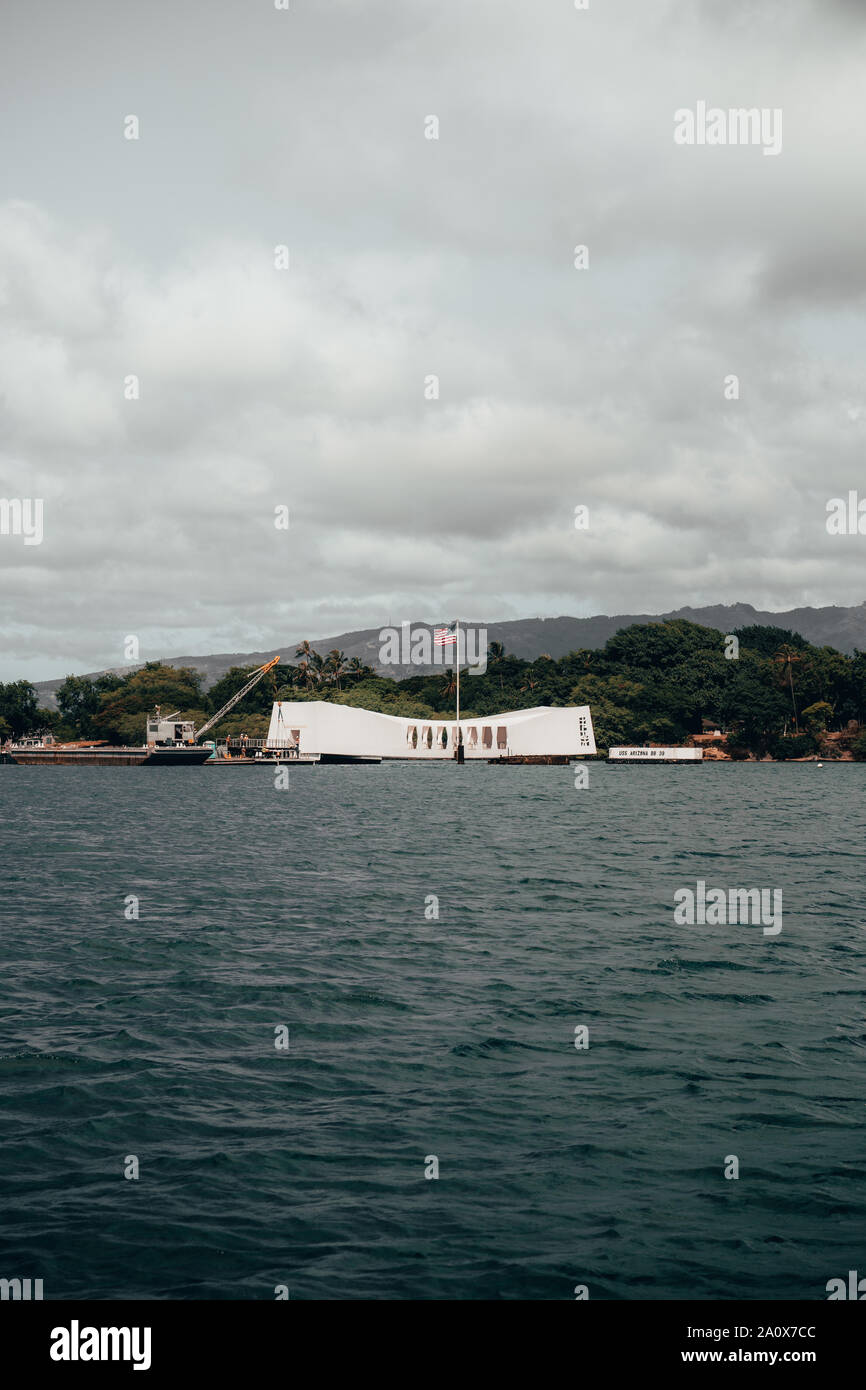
<point x="239" y="695"/>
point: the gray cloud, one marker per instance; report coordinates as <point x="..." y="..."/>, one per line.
<point x="412" y="257"/>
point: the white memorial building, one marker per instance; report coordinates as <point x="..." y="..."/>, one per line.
<point x="326" y="731"/>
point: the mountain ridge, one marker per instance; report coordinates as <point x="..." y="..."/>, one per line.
<point x="832" y="626"/>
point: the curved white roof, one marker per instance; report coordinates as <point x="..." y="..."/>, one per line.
<point x="318" y="726"/>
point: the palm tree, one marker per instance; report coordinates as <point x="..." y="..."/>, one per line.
<point x="786" y="655"/>
<point x="495" y="657"/>
<point x="317" y="666"/>
<point x="334" y="666"/>
<point x="309" y="664"/>
<point x="449" y="683"/>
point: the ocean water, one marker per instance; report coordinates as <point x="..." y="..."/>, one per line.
<point x="411" y="1036"/>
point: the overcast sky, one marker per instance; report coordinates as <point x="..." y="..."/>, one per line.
<point x="305" y="387"/>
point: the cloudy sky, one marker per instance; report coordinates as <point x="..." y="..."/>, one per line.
<point x="409" y="257"/>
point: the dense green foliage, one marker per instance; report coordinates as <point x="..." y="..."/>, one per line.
<point x="78" y="700"/>
<point x="665" y="681"/>
<point x="18" y="710"/>
<point x="335" y="671"/>
<point x="650" y="683"/>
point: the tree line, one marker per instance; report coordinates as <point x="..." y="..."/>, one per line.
<point x="113" y="708"/>
<point x="771" y="691"/>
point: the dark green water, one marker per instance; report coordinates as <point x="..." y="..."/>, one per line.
<point x="411" y="1037"/>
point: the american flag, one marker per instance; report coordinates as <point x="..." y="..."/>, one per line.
<point x="443" y="637"/>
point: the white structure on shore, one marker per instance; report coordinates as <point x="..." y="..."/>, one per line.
<point x="342" y="731"/>
<point x="655" y="755"/>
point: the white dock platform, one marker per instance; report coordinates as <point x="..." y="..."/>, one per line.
<point x="655" y="755"/>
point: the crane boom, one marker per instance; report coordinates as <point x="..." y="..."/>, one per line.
<point x="239" y="695"/>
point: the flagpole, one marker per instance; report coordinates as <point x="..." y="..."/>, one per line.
<point x="459" y="740"/>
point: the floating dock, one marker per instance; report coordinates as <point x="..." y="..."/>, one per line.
<point x="55" y="755"/>
<point x="624" y="756"/>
